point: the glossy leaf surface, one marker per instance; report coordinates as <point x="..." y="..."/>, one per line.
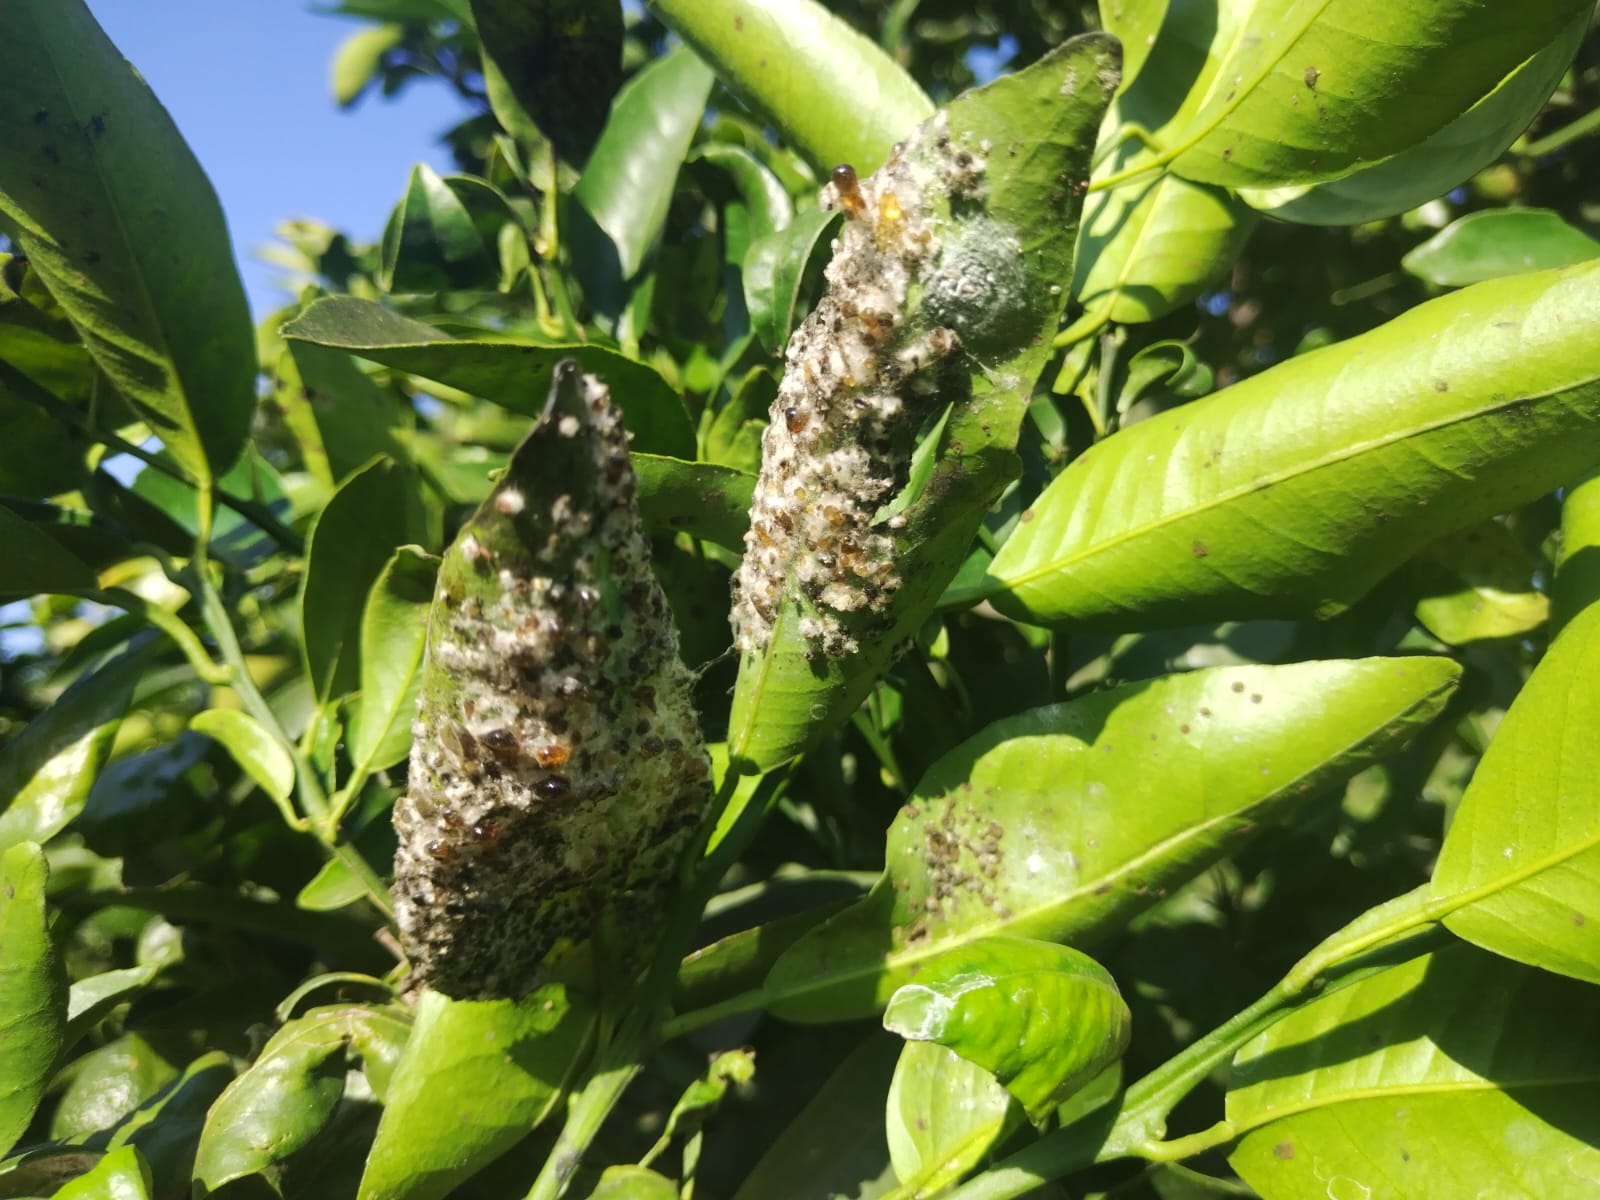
<point x="33" y="991"/>
<point x="787" y="694"/>
<point x="1297" y="490"/>
<point x="1371" y="1087"/>
<point x="944" y="1115"/>
<point x="171" y="330"/>
<point x="1044" y="1018"/>
<point x="475" y="1077"/>
<point x="394" y="631"/>
<point x="1520" y="866"/>
<point x="1455" y="153"/>
<point x="47" y="769"/>
<point x="515" y="375"/>
<point x="1497" y="242"/>
<point x="1063" y="822"/>
<point x="628" y="183"/>
<point x="120" y="1175"/>
<point x="247" y="741"/>
<point x="774" y="270"/>
<point x="375" y="511"/>
<point x="700" y="498"/>
<point x="1308" y="91"/>
<point x="1478" y="585"/>
<point x="835" y="95"/>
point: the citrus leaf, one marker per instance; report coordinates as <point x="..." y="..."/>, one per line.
<point x="475" y="1077"/>
<point x="1044" y="1018"/>
<point x="1499" y="242"/>
<point x="1062" y="823"/>
<point x="121" y="1175"/>
<point x="1479" y="584"/>
<point x="832" y="93"/>
<point x="944" y="1114"/>
<point x="102" y="192"/>
<point x="431" y="242"/>
<point x="1373" y="1085"/>
<point x="1519" y="872"/>
<point x="358" y="58"/>
<point x="33" y="990"/>
<point x="699" y="498"/>
<point x="265" y="759"/>
<point x="775" y="266"/>
<point x="37" y="564"/>
<point x="1310" y="91"/>
<point x="394" y="630"/>
<point x="1295" y="491"/>
<point x="515" y="375"/>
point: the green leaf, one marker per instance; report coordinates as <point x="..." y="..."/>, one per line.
<point x="628" y="182"/>
<point x="47" y="769"/>
<point x="340" y="417"/>
<point x="289" y="1093"/>
<point x="1062" y="823"/>
<point x="358" y="58"/>
<point x="262" y="756"/>
<point x="766" y="199"/>
<point x="121" y="224"/>
<point x="106" y="1084"/>
<point x="394" y="632"/>
<point x="475" y="1077"/>
<point x="1497" y="242"/>
<point x="1458" y="151"/>
<point x="41" y="361"/>
<point x="1519" y="872"/>
<point x="944" y="1115"/>
<point x="33" y="991"/>
<point x="1479" y="584"/>
<point x="1169" y="367"/>
<point x="431" y="242"/>
<point x="1577" y="583"/>
<point x="833" y="94"/>
<point x="806" y="667"/>
<point x="166" y="1128"/>
<point x="1295" y="491"/>
<point x="121" y="1175"/>
<point x="35" y="563"/>
<point x="774" y="269"/>
<point x="625" y="1182"/>
<point x="377" y="510"/>
<point x="1314" y="91"/>
<point x="515" y="375"/>
<point x="1433" y="1078"/>
<point x="90" y="1000"/>
<point x="1045" y="1019"/>
<point x="835" y="1147"/>
<point x="699" y="498"/>
<point x="550" y="69"/>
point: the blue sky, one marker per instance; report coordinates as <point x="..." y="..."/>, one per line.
<point x="247" y="83"/>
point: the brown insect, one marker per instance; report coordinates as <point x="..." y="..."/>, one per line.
<point x="849" y="189"/>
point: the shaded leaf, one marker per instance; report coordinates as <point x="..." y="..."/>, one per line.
<point x="138" y="258"/>
<point x="475" y="1077"/>
<point x="262" y="756"/>
<point x="515" y="375"/>
<point x="1496" y="242"/>
<point x="1313" y="91"/>
<point x="375" y="511"/>
<point x="337" y="413"/>
<point x="835" y="1147"/>
<point x="46" y="771"/>
<point x="35" y="563"/>
<point x="633" y="1183"/>
<point x="394" y="631"/>
<point x="1062" y="823"/>
<point x="33" y="990"/>
<point x="1477" y="585"/>
<point x="627" y="184"/>
<point x="289" y="1093"/>
<point x="166" y="1128"/>
<point x="1295" y="491"/>
<point x="774" y="268"/>
<point x="699" y="498"/>
<point x="431" y="243"/>
<point x="765" y="198"/>
<point x="1375" y="1085"/>
<point x="1519" y="872"/>
<point x="944" y="1115"/>
<point x="550" y="69"/>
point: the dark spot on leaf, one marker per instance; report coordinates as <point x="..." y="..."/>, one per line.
<point x="738" y="24"/>
<point x="1255" y="697"/>
<point x="1380" y="517"/>
<point x="1441" y="385"/>
<point x="1199" y="549"/>
<point x="1284" y="1149"/>
<point x="41" y="115"/>
<point x="1312" y="75"/>
<point x="1027" y="515"/>
<point x="1238" y="685"/>
<point x="97" y="125"/>
<point x="1579" y="919"/>
<point x="1227" y="153"/>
